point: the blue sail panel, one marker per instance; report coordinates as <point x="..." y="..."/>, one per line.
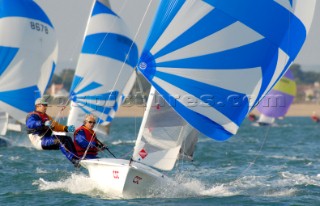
<point x="275" y="27"/>
<point x="167" y="10"/>
<point x="99" y="8"/>
<point x="111" y="45"/>
<point x="89" y="87"/>
<point x="22" y="8"/>
<point x="98" y="108"/>
<point x="51" y="74"/>
<point x="22" y="99"/>
<point x="198" y="31"/>
<point x="76" y="81"/>
<point x="6" y="56"/>
<point x="218" y="98"/>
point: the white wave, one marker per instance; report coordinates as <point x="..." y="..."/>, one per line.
<point x="41" y="171"/>
<point x="290" y="179"/>
<point x="281" y="193"/>
<point x="286" y="157"/>
<point x="117" y="142"/>
<point x="75" y="184"/>
<point x="13" y="158"/>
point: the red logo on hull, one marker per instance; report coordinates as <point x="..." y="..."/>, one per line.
<point x="143" y="153"/>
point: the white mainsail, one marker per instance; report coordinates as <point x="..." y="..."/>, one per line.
<point x="4" y="118"/>
<point x="163" y="135"/>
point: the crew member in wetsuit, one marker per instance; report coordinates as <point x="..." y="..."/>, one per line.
<point x="40" y="127"/>
<point x="85" y="139"/>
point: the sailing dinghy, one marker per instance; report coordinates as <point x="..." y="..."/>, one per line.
<point x="278" y="101"/>
<point x="28" y="54"/>
<point x="212" y="61"/>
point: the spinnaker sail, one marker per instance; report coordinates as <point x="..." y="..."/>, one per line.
<point x="213" y="60"/>
<point x="104" y="74"/>
<point x="28" y="54"/>
<point x="278" y="101"/>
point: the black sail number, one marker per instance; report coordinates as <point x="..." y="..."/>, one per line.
<point x="39" y="27"/>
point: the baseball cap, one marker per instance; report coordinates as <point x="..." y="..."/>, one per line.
<point x="40" y="101"/>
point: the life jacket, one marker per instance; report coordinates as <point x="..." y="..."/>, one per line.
<point x="315" y="118"/>
<point x="90" y="136"/>
<point x="43" y="131"/>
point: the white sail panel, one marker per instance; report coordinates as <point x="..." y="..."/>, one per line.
<point x="300" y="8"/>
<point x="182" y="22"/>
<point x="233" y="79"/>
<point x="220" y="41"/>
<point x="114" y="25"/>
<point x="28" y="53"/>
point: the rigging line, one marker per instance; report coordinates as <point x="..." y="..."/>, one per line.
<point x="256" y="158"/>
<point x="74" y="49"/>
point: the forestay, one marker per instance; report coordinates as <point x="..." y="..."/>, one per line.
<point x="163" y="135"/>
<point x="213" y="60"/>
<point x="104" y="74"/>
<point x="28" y="53"/>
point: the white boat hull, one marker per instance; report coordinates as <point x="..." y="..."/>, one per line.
<point x="116" y="177"/>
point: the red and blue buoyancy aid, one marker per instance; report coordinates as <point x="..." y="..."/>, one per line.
<point x="90" y="136"/>
<point x="40" y="130"/>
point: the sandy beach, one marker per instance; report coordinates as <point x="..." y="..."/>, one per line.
<point x="138" y="110"/>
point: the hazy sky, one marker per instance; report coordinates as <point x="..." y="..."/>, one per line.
<point x="70" y="17"/>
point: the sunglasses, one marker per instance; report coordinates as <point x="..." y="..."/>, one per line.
<point x="45" y="105"/>
<point x="90" y="122"/>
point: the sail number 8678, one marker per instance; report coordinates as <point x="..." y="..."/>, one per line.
<point x="39" y="27"/>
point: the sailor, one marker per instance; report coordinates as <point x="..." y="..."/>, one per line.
<point x="85" y="139"/>
<point x="40" y="127"/>
<point x="315" y="117"/>
<point x="252" y="117"/>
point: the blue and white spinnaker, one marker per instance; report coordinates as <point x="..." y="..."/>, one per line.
<point x="104" y="74"/>
<point x="28" y="54"/>
<point x="213" y="60"/>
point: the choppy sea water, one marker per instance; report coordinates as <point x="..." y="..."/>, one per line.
<point x="259" y="166"/>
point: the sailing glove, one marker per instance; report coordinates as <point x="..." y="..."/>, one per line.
<point x="70" y="128"/>
<point x="102" y="146"/>
<point x="47" y="123"/>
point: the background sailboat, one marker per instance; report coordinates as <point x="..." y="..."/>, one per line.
<point x="212" y="62"/>
<point x="104" y="74"/>
<point x="28" y="53"/>
<point x="278" y="101"/>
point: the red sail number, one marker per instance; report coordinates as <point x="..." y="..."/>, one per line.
<point x="115" y="174"/>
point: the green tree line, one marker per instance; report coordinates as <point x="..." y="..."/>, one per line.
<point x="304" y="77"/>
<point x="301" y="77"/>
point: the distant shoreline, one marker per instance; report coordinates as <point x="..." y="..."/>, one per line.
<point x="299" y="110"/>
